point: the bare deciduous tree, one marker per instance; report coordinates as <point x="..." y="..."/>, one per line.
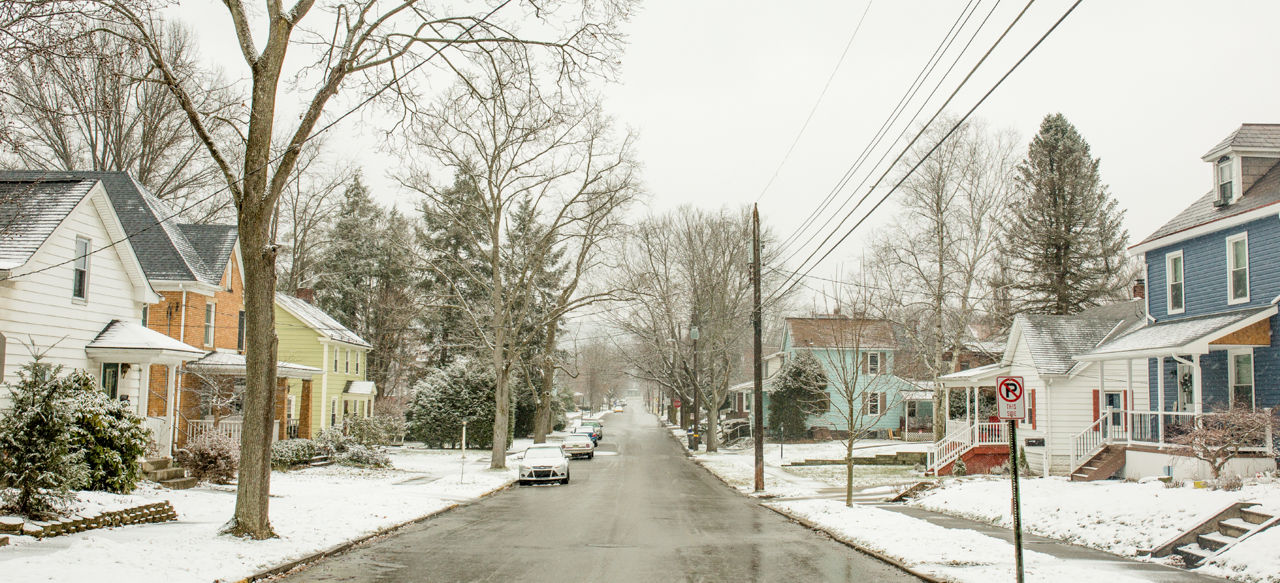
<point x="306" y="206"/>
<point x="100" y="109"/>
<point x="549" y="156"/>
<point x="1220" y="437"/>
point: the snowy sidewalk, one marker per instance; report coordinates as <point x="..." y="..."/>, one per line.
<point x="312" y="510"/>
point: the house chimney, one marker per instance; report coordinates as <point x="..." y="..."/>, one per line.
<point x="306" y="294"/>
<point x="1139" y="289"/>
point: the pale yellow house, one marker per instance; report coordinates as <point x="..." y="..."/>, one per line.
<point x="311" y="337"/>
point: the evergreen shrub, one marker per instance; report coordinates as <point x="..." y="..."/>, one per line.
<point x="107" y="437"/>
<point x="292" y="452"/>
<point x="36" y="461"/>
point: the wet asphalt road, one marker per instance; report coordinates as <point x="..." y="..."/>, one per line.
<point x="639" y="511"/>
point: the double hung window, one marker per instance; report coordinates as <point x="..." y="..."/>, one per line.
<point x="1174" y="278"/>
<point x="1238" y="268"/>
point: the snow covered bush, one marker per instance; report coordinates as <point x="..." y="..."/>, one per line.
<point x="379" y="429"/>
<point x="107" y="437"/>
<point x="36" y="461"/>
<point x="959" y="469"/>
<point x="211" y="456"/>
<point x="292" y="452"/>
<point x="447" y="396"/>
<point x="332" y="442"/>
<point x="363" y="456"/>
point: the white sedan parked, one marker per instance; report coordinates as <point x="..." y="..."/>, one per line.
<point x="544" y="463"/>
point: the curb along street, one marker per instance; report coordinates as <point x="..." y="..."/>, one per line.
<point x="290" y="566"/>
<point x="803" y="522"/>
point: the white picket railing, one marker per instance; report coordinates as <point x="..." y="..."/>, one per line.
<point x="1088" y="442"/>
<point x="951" y="447"/>
<point x="229" y="427"/>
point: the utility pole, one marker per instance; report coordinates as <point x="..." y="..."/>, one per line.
<point x="757" y="408"/>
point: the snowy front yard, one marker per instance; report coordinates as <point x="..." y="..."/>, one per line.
<point x="311" y="509"/>
<point x="1123" y="518"/>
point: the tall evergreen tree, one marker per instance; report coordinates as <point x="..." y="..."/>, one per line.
<point x="800" y="391"/>
<point x="1064" y="236"/>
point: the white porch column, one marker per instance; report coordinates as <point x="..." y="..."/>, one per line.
<point x="1049" y="443"/>
<point x="1128" y="388"/>
<point x="1160" y="397"/>
<point x="171" y="392"/>
<point x="1197" y="394"/>
<point x="968" y="415"/>
<point x="144" y="388"/>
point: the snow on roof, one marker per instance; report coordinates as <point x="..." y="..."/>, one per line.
<point x="917" y="395"/>
<point x="1176" y="335"/>
<point x="359" y="388"/>
<point x="233" y="363"/>
<point x="978" y="372"/>
<point x="1054" y="341"/>
<point x="119" y="334"/>
<point x="31" y="209"/>
<point x="318" y="320"/>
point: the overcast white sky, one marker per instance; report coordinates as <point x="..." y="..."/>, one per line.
<point x="718" y="89"/>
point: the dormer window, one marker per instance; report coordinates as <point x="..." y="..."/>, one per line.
<point x="1224" y="180"/>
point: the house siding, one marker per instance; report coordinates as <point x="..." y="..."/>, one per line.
<point x="300" y="344"/>
<point x="1205" y="271"/>
<point x="38" y="313"/>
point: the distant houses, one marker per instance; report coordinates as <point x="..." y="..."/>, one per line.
<point x="99" y="275"/>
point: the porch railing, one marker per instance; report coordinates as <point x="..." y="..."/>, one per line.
<point x="951" y="447"/>
<point x="291" y="428"/>
<point x="229" y="427"/>
<point x="1149" y="428"/>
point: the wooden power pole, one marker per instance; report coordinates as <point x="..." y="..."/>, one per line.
<point x="757" y="403"/>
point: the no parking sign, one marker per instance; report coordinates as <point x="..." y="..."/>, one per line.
<point x="1011" y="398"/>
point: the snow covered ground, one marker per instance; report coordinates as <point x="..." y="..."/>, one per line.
<point x="1119" y="517"/>
<point x="311" y="509"/>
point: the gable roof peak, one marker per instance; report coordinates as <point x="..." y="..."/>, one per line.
<point x="1249" y="136"/>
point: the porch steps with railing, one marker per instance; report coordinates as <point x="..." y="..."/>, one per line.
<point x="1102" y="466"/>
<point x="1224" y="530"/>
<point x="981" y="446"/>
<point x="164" y="471"/>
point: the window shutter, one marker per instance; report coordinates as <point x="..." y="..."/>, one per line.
<point x="882" y="402"/>
<point x="1033" y="408"/>
<point x="863" y="364"/>
<point x="1097" y="413"/>
<point x="866" y="404"/>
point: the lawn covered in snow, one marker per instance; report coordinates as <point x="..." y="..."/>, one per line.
<point x="311" y="509"/>
<point x="1137" y="516"/>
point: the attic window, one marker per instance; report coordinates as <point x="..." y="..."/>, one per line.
<point x="1224" y="180"/>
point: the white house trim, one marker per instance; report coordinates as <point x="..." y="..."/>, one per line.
<point x="1168" y="284"/>
<point x="1210" y="227"/>
<point x="1230" y="288"/>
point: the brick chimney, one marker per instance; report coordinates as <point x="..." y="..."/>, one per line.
<point x="306" y="294"/>
<point x="1139" y="289"/>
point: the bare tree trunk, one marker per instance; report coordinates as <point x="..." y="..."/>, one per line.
<point x="848" y="472"/>
<point x="542" y="414"/>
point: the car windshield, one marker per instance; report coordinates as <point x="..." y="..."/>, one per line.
<point x="543" y="453"/>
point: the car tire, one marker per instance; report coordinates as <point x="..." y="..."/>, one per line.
<point x="565" y="480"/>
<point x="591" y="456"/>
<point x="523" y="483"/>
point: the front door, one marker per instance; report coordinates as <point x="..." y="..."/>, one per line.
<point x="1115" y="412"/>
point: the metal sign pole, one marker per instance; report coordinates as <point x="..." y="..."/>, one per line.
<point x="1017" y="503"/>
<point x="463" y="473"/>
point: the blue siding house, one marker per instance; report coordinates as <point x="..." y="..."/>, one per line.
<point x="1213" y="281"/>
<point x="858" y="357"/>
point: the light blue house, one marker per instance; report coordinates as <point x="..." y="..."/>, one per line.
<point x="1213" y="282"/>
<point x="859" y="356"/>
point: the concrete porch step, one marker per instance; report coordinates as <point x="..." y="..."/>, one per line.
<point x="155" y="464"/>
<point x="1235" y="527"/>
<point x="1253" y="516"/>
<point x="1214" y="540"/>
<point x="166" y="474"/>
<point x="1192" y="554"/>
<point x="179" y="483"/>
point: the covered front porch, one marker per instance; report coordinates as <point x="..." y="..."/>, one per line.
<point x="970" y="415"/>
<point x="1199" y="369"/>
<point x="122" y="347"/>
<point x="215" y="385"/>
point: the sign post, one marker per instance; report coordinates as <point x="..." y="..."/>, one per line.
<point x="1012" y="407"/>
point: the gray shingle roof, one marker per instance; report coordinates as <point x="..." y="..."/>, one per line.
<point x="30" y="210"/>
<point x="1251" y="135"/>
<point x="318" y="320"/>
<point x="1055" y="340"/>
<point x="214" y="243"/>
<point x="1264" y="192"/>
<point x="164" y="251"/>
<point x="1175" y="334"/>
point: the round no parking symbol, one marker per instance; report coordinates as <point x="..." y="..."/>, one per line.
<point x="1010" y="398"/>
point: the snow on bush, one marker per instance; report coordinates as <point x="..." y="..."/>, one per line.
<point x="447" y="396"/>
<point x="364" y="456"/>
<point x="332" y="442"/>
<point x="35" y="444"/>
<point x="106" y="436"/>
<point x="211" y="457"/>
<point x="381" y="429"/>
<point x="292" y="452"/>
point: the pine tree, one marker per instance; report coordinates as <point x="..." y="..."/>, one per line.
<point x="36" y="461"/>
<point x="799" y="391"/>
<point x="1064" y="237"/>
